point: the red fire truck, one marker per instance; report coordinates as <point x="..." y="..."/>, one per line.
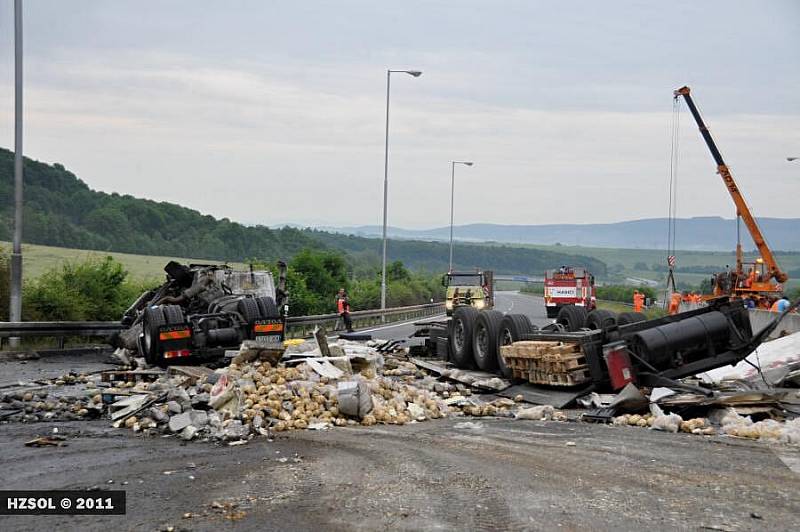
<point x="568" y="286"/>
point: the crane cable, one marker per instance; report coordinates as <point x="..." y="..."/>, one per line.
<point x="673" y="196"/>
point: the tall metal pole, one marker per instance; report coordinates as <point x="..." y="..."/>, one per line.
<point x="452" y="199"/>
<point x="385" y="191"/>
<point x="15" y="303"/>
<point x="416" y="74"/>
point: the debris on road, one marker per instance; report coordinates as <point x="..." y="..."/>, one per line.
<point x="356" y="385"/>
<point x="779" y="360"/>
<point x="47" y="441"/>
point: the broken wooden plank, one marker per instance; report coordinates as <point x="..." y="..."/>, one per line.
<point x="192" y="373"/>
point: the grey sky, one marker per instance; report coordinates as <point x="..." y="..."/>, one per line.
<point x="270" y="112"/>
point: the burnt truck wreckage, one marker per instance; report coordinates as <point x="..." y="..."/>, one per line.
<point x="203" y="310"/>
<point x="598" y="350"/>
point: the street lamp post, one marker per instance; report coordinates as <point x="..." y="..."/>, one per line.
<point x="416" y="74"/>
<point x="452" y="201"/>
<point x="15" y="299"/>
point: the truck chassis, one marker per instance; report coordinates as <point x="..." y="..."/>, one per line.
<point x="654" y="352"/>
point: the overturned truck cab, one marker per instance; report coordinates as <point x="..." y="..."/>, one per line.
<point x="203" y="310"/>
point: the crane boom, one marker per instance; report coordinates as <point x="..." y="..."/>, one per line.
<point x="738" y="199"/>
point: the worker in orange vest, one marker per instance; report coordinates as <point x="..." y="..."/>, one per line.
<point x="638" y="301"/>
<point x="675" y="303"/>
<point x="343" y="309"/>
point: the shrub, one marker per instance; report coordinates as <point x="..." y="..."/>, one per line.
<point x="95" y="289"/>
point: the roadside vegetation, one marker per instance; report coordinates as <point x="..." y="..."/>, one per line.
<point x="619" y="307"/>
<point x="314" y="277"/>
<point x="101" y="288"/>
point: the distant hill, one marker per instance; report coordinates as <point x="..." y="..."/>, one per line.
<point x="703" y="233"/>
<point x="63" y="211"/>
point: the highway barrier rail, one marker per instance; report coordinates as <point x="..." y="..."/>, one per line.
<point x="297" y="326"/>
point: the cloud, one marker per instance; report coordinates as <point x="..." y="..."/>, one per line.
<point x="563" y="133"/>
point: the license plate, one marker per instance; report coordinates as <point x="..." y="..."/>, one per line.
<point x="268" y="340"/>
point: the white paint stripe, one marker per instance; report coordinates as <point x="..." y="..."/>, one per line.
<point x="790" y="461"/>
<point x="391" y="326"/>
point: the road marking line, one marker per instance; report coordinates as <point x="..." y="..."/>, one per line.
<point x="792" y="462"/>
<point x="397" y="324"/>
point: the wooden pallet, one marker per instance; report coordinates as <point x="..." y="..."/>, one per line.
<point x="547" y="362"/>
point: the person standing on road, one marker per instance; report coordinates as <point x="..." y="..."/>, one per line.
<point x="343" y="309"/>
<point x="638" y="301"/>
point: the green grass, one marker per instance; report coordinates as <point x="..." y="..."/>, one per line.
<point x="38" y="259"/>
<point x="619" y="308"/>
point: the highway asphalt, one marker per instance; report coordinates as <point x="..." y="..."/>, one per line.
<point x="505" y="302"/>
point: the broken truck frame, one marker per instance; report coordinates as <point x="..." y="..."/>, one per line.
<point x="652" y="353"/>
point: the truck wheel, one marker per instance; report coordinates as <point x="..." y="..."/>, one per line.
<point x="153" y="319"/>
<point x="552" y="312"/>
<point x="572" y="317"/>
<point x="600" y="319"/>
<point x="248" y="308"/>
<point x="511" y="329"/>
<point x="461" y="328"/>
<point x="267" y="307"/>
<point x="173" y="314"/>
<point x="484" y="339"/>
<point x="627" y="318"/>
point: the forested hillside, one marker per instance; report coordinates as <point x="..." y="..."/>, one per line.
<point x="61" y="210"/>
<point x="434" y="256"/>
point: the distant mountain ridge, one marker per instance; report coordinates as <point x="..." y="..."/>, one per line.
<point x="708" y="233"/>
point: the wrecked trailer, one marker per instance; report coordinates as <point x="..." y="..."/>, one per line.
<point x="597" y="351"/>
<point x="203" y="310"/>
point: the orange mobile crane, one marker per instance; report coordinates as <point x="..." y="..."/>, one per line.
<point x="757" y="280"/>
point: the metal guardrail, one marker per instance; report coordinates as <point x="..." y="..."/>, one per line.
<point x="297" y="326"/>
<point x="302" y="326"/>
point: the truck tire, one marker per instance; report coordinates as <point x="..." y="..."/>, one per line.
<point x="248" y="308"/>
<point x="173" y="314"/>
<point x="572" y="317"/>
<point x="462" y="325"/>
<point x="484" y="339"/>
<point x="552" y="312"/>
<point x="153" y="319"/>
<point x="600" y="319"/>
<point x="511" y="329"/>
<point x="626" y="318"/>
<point x="267" y="307"/>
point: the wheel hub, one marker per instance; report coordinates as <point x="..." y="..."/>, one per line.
<point x="458" y="335"/>
<point x="483" y="342"/>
